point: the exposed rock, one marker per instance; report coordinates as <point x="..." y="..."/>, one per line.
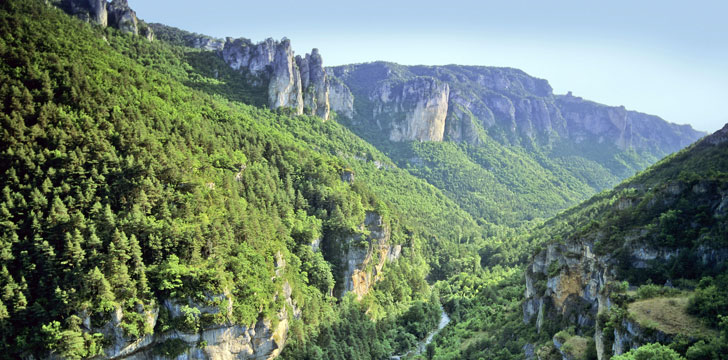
<point x="362" y="256"/>
<point x="242" y="54"/>
<point x="122" y="17"/>
<point x="340" y="98"/>
<point x="292" y="82"/>
<point x="116" y="14"/>
<point x="221" y="341"/>
<point x="315" y="84"/>
<point x="87" y="10"/>
<point x="518" y="105"/>
<point x="284" y="87"/>
<point x="568" y="282"/>
<point x="413" y="110"/>
<point x="588" y="121"/>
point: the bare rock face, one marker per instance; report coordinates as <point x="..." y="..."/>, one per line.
<point x="296" y="82"/>
<point x="340" y="98"/>
<point x="116" y="14"/>
<point x="264" y="339"/>
<point x="315" y="84"/>
<point x="268" y="62"/>
<point x="284" y="88"/>
<point x="362" y="256"/>
<point x="87" y="10"/>
<point x="122" y="17"/>
<point x="413" y="110"/>
<point x="510" y="103"/>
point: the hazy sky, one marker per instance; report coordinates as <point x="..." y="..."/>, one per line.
<point x="668" y="58"/>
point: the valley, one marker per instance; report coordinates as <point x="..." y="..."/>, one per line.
<point x="171" y="195"/>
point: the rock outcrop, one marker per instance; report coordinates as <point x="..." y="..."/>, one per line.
<point x="510" y="103"/>
<point x="413" y="110"/>
<point x="569" y="283"/>
<point x="588" y="121"/>
<point x="298" y="83"/>
<point x="362" y="256"/>
<point x="224" y="340"/>
<point x="116" y="14"/>
<point x="340" y="98"/>
<point x="314" y="83"/>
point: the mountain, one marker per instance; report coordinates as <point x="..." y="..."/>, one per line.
<point x="602" y="264"/>
<point x="148" y="212"/>
<point x="167" y="194"/>
<point x="509" y="125"/>
<point x="533" y="151"/>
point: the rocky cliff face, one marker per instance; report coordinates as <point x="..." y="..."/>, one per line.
<point x="572" y="281"/>
<point x="340" y="98"/>
<point x="116" y="14"/>
<point x="587" y="121"/>
<point x="412" y="110"/>
<point x="507" y="102"/>
<point x="568" y="284"/>
<point x="219" y="341"/>
<point x="314" y="83"/>
<point x="361" y="257"/>
<point x="298" y="83"/>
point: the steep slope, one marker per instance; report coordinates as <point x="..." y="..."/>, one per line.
<point x="147" y="212"/>
<point x="291" y="81"/>
<point x="523" y="151"/>
<point x="667" y="225"/>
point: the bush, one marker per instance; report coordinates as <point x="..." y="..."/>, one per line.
<point x="653" y="351"/>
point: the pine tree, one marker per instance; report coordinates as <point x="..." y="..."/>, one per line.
<point x="73" y="254"/>
<point x="138" y="269"/>
<point x="99" y="291"/>
<point x="59" y="213"/>
<point x="117" y="269"/>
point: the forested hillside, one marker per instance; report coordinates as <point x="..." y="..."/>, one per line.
<point x="155" y="204"/>
<point x="643" y="263"/>
<point x="140" y="198"/>
<point x="497" y="140"/>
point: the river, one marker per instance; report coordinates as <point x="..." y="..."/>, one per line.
<point x="422" y="345"/>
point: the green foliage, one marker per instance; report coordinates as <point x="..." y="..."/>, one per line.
<point x="654" y="351"/>
<point x="647" y="291"/>
<point x="710" y="300"/>
<point x="133" y="172"/>
<point x="171" y="348"/>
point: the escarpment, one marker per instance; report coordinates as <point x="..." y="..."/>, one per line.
<point x="116" y="14"/>
<point x="295" y="82"/>
<point x="361" y="256"/>
<point x="663" y="226"/>
<point x="414" y="110"/>
<point x="505" y="103"/>
<point x="199" y="328"/>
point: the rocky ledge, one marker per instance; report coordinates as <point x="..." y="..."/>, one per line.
<point x="116" y="14"/>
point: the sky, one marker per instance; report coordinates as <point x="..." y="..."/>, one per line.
<point x="667" y="58"/>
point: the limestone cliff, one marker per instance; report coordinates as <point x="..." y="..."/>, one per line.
<point x="569" y="284"/>
<point x="412" y="110"/>
<point x="218" y="340"/>
<point x="314" y="83"/>
<point x="508" y="104"/>
<point x="362" y="256"/>
<point x="116" y="14"/>
<point x="628" y="233"/>
<point x="340" y="98"/>
<point x="589" y="121"/>
<point x="298" y="83"/>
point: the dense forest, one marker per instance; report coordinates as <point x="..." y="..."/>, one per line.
<point x="150" y="198"/>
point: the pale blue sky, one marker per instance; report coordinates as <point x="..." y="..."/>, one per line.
<point x="668" y="58"/>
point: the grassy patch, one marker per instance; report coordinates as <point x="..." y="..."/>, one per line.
<point x="668" y="315"/>
<point x="576" y="346"/>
